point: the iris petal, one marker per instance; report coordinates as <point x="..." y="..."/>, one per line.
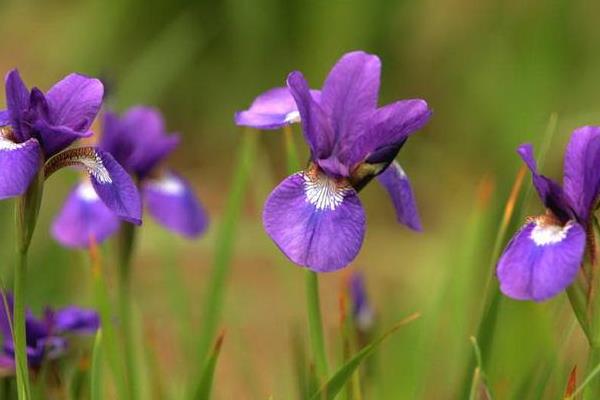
<point x="19" y="163"/>
<point x="76" y="320"/>
<point x="315" y="223"/>
<point x="398" y="186"/>
<point x="541" y="260"/>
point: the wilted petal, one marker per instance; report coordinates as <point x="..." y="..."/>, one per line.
<point x="76" y="320"/>
<point x="172" y="202"/>
<point x="396" y="183"/>
<point x="315" y="222"/>
<point x="19" y="163"/>
<point x="17" y="104"/>
<point x="84" y="217"/>
<point x="350" y="92"/>
<point x="550" y="192"/>
<point x="541" y="260"/>
<point x="582" y="170"/>
<point x="112" y="183"/>
<point x="315" y="123"/>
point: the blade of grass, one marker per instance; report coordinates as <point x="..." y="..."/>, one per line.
<point x="335" y="384"/>
<point x="205" y="384"/>
<point x="224" y="245"/>
<point x="97" y="365"/>
<point x="479" y="389"/>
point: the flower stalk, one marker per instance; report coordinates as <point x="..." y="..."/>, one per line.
<point x="26" y="212"/>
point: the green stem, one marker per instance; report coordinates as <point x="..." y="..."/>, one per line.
<point x="315" y="324"/>
<point x="592" y="390"/>
<point x="26" y="213"/>
<point x="126" y="242"/>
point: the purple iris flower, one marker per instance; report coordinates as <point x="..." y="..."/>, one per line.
<point x="362" y="312"/>
<point x="37" y="127"/>
<point x="46" y="337"/>
<point x="139" y="142"/>
<point x="544" y="256"/>
<point x="315" y="216"/>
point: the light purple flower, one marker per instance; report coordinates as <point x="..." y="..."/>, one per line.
<point x="139" y="142"/>
<point x="37" y="128"/>
<point x="315" y="216"/>
<point x="46" y="337"/>
<point x="544" y="256"/>
<point x="362" y="313"/>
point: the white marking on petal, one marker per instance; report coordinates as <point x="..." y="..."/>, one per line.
<point x="544" y="234"/>
<point x="87" y="192"/>
<point x="6" y="144"/>
<point x="322" y="191"/>
<point x="169" y="185"/>
<point x="292" y="117"/>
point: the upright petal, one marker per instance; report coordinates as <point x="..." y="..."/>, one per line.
<point x="76" y="320"/>
<point x="550" y="192"/>
<point x="315" y="123"/>
<point x="541" y="260"/>
<point x="75" y="101"/>
<point x="84" y="217"/>
<point x="19" y="162"/>
<point x="111" y="182"/>
<point x="17" y="104"/>
<point x="387" y="127"/>
<point x="350" y="92"/>
<point x="172" y="202"/>
<point x="395" y="181"/>
<point x="52" y="137"/>
<point x="582" y="170"/>
<point x="272" y="109"/>
<point x="316" y="222"/>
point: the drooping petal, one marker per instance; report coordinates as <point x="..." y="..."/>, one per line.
<point x="315" y="123"/>
<point x="550" y="192"/>
<point x="76" y="320"/>
<point x="270" y="110"/>
<point x="172" y="202"/>
<point x="350" y="92"/>
<point x="387" y="128"/>
<point x="541" y="260"/>
<point x="138" y="140"/>
<point x="19" y="163"/>
<point x="316" y="222"/>
<point x="17" y="104"/>
<point x="52" y="137"/>
<point x="111" y="182"/>
<point x="396" y="183"/>
<point x="83" y="218"/>
<point x="582" y="170"/>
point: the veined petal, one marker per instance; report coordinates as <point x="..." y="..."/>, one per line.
<point x="272" y="109"/>
<point x="76" y="320"/>
<point x="17" y="104"/>
<point x="316" y="222"/>
<point x="550" y="192"/>
<point x="395" y="181"/>
<point x="315" y="123"/>
<point x="84" y="217"/>
<point x="541" y="260"/>
<point x="582" y="170"/>
<point x="112" y="184"/>
<point x="350" y="92"/>
<point x="172" y="202"/>
<point x="75" y="101"/>
<point x="19" y="162"/>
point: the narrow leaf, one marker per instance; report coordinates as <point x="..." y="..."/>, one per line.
<point x="571" y="383"/>
<point x="96" y="373"/>
<point x="204" y="387"/>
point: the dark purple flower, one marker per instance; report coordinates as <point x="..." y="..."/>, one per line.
<point x="545" y="255"/>
<point x="139" y="142"/>
<point x="362" y="313"/>
<point x="46" y="337"/>
<point x="315" y="216"/>
<point x="272" y="109"/>
<point x="37" y="128"/>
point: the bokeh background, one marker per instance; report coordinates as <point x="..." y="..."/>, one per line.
<point x="493" y="71"/>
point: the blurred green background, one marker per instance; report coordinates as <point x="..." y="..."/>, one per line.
<point x="493" y="72"/>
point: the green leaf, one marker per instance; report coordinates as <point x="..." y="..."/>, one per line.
<point x="96" y="373"/>
<point x="204" y="387"/>
<point x="339" y="379"/>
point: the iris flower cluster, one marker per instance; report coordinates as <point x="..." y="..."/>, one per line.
<point x="47" y="337"/>
<point x="315" y="216"/>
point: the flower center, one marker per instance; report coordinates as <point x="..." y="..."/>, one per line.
<point x="169" y="185"/>
<point x="292" y="117"/>
<point x="87" y="192"/>
<point x="548" y="231"/>
<point x="322" y="191"/>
